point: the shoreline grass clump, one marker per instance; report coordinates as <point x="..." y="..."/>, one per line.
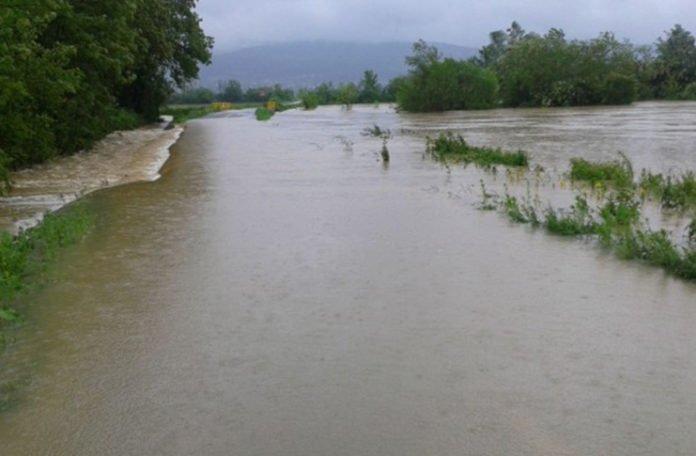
<point x="263" y="114"/>
<point x="617" y="173"/>
<point x="183" y="113"/>
<point x="578" y="221"/>
<point x="24" y="256"/>
<point x="672" y="192"/>
<point x="616" y="224"/>
<point x="455" y="148"/>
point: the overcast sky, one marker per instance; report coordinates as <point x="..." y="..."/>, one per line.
<point x="238" y="23"/>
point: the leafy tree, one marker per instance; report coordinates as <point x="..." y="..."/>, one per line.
<point x="676" y="62"/>
<point x="436" y="85"/>
<point x="550" y="71"/>
<point x="230" y="91"/>
<point x="73" y="70"/>
<point x="170" y="47"/>
<point x="370" y="89"/>
<point x="348" y="95"/>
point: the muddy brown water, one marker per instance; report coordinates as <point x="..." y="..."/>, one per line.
<point x="280" y="292"/>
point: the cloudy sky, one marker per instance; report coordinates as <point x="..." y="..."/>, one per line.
<point x="239" y="23"/>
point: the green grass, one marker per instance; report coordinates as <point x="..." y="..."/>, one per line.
<point x="617" y="173"/>
<point x="23" y="257"/>
<point x="184" y="113"/>
<point x="578" y="221"/>
<point x="448" y="147"/>
<point x="617" y="225"/>
<point x="672" y="192"/>
<point x="263" y="114"/>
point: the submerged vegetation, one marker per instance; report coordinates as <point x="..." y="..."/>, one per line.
<point x="263" y="114"/>
<point x="616" y="222"/>
<point x="672" y="192"/>
<point x="454" y="148"/>
<point x="617" y="173"/>
<point x="22" y="257"/>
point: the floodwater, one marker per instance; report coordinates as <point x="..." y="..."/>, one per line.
<point x="280" y="292"/>
<point x="122" y="157"/>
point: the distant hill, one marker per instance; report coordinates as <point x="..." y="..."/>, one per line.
<point x="307" y="64"/>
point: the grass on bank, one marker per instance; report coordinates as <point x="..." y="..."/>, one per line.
<point x="23" y="257"/>
<point x="448" y="147"/>
<point x="184" y="113"/>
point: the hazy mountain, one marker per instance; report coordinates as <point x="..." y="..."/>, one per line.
<point x="306" y="64"/>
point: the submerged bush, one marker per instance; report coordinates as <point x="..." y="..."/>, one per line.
<point x="575" y="222"/>
<point x="309" y="100"/>
<point x="672" y="192"/>
<point x="450" y="147"/>
<point x="617" y="173"/>
<point x="263" y="114"/>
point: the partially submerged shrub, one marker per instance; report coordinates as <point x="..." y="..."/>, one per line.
<point x="450" y="147"/>
<point x="263" y="114"/>
<point x="309" y="100"/>
<point x="618" y="173"/>
<point x="520" y="212"/>
<point x="377" y="132"/>
<point x="679" y="192"/>
<point x="672" y="192"/>
<point x="575" y="222"/>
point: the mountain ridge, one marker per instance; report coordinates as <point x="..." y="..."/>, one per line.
<point x="309" y="63"/>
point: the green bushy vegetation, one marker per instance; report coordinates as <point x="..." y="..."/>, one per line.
<point x="184" y="113"/>
<point x="617" y="173"/>
<point x="263" y="114"/>
<point x="309" y="100"/>
<point x="577" y="221"/>
<point x="519" y="68"/>
<point x="455" y="148"/>
<point x="443" y="85"/>
<point x="24" y="256"/>
<point x="71" y="72"/>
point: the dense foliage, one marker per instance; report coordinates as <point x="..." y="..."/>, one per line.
<point x="73" y="70"/>
<point x="442" y="85"/>
<point x="527" y="69"/>
<point x="517" y="68"/>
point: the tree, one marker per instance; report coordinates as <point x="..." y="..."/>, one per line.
<point x="370" y="90"/>
<point x="347" y="95"/>
<point x="230" y="91"/>
<point x="71" y="71"/>
<point x="435" y="85"/>
<point x="170" y="47"/>
<point x="676" y="62"/>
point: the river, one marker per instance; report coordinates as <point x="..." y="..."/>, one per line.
<point x="281" y="292"/>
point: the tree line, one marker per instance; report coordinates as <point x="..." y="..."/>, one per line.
<point x="71" y="71"/>
<point x="517" y="68"/>
<point x="368" y="90"/>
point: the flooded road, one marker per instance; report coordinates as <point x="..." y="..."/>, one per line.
<point x="280" y="292"/>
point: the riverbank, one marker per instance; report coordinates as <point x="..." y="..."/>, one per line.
<point x="122" y="157"/>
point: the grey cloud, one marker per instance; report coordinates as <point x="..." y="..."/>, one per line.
<point x="237" y="23"/>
